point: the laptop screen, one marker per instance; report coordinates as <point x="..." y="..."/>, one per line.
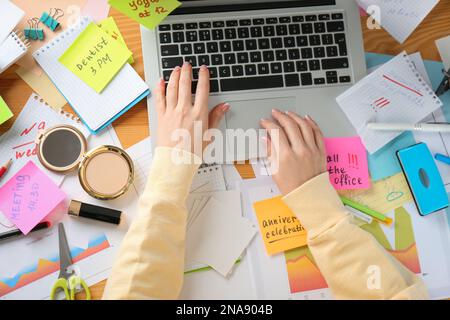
<point x="207" y="6"/>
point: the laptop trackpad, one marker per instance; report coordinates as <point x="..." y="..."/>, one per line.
<point x="246" y="114"/>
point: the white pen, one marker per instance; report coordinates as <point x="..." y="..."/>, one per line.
<point x="425" y="127"/>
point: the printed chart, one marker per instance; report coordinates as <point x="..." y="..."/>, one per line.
<point x="49" y="265"/>
<point x="304" y="275"/>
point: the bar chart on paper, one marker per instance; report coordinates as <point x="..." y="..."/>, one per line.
<point x="47" y="265"/>
<point x="304" y="275"/>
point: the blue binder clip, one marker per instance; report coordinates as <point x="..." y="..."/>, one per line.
<point x="33" y="32"/>
<point x="423" y="178"/>
<point x="51" y="19"/>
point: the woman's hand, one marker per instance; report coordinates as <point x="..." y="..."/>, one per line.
<point x="299" y="155"/>
<point x="176" y="111"/>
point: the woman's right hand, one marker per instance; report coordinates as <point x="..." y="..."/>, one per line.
<point x="299" y="154"/>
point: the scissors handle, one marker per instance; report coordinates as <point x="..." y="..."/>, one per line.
<point x="74" y="281"/>
<point x="60" y="285"/>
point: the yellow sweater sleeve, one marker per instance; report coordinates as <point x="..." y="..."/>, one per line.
<point x="346" y="254"/>
<point x="150" y="261"/>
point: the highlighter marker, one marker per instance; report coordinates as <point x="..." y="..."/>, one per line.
<point x="85" y="210"/>
<point x="5" y="168"/>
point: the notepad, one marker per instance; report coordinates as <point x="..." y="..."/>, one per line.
<point x="12" y="49"/>
<point x="11" y="15"/>
<point x="396" y="92"/>
<point x="95" y="57"/>
<point x="400" y="17"/>
<point x="18" y="143"/>
<point x="110" y="27"/>
<point x="97" y="110"/>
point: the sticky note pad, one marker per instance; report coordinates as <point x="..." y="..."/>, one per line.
<point x="28" y="197"/>
<point x="347" y="163"/>
<point x="95" y="57"/>
<point x="110" y="27"/>
<point x="146" y="12"/>
<point x="5" y="113"/>
<point x="280" y="228"/>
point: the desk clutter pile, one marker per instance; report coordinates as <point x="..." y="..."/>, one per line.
<point x="57" y="166"/>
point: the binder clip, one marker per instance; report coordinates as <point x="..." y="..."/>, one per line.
<point x="51" y="19"/>
<point x="445" y="84"/>
<point x="33" y="32"/>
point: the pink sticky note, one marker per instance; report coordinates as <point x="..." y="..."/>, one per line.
<point x="347" y="163"/>
<point x="97" y="9"/>
<point x="28" y="197"/>
<point x="362" y="12"/>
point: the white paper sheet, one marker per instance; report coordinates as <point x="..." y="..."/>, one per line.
<point x="395" y="92"/>
<point x="444" y="50"/>
<point x="400" y="17"/>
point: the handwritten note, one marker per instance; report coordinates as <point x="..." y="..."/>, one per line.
<point x="5" y="113"/>
<point x="110" y="27"/>
<point x="280" y="228"/>
<point x="28" y="197"/>
<point x="149" y="13"/>
<point x="399" y="17"/>
<point x="347" y="163"/>
<point x="95" y="57"/>
<point x="384" y="195"/>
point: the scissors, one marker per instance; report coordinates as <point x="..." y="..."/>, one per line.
<point x="445" y="84"/>
<point x="68" y="280"/>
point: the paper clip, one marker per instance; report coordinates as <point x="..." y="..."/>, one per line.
<point x="51" y="19"/>
<point x="445" y="84"/>
<point x="33" y="32"/>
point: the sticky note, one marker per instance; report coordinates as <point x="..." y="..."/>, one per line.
<point x="95" y="57"/>
<point x="384" y="163"/>
<point x="149" y="13"/>
<point x="28" y="197"/>
<point x="280" y="229"/>
<point x="347" y="163"/>
<point x="5" y="113"/>
<point x="110" y="27"/>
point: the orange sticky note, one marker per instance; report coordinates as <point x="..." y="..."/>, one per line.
<point x="280" y="228"/>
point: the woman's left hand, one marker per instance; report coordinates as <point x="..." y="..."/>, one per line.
<point x="177" y="111"/>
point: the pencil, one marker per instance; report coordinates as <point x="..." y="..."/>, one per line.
<point x="17" y="233"/>
<point x="374" y="214"/>
<point x="5" y="168"/>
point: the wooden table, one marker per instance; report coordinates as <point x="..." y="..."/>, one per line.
<point x="132" y="127"/>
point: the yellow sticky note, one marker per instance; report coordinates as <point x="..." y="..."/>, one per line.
<point x="95" y="57"/>
<point x="149" y="13"/>
<point x="5" y="113"/>
<point x="110" y="27"/>
<point x="280" y="228"/>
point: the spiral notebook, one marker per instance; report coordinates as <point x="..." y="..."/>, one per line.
<point x="18" y="143"/>
<point x="96" y="110"/>
<point x="12" y="49"/>
<point x="396" y="92"/>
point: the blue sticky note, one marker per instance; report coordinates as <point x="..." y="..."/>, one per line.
<point x="384" y="163"/>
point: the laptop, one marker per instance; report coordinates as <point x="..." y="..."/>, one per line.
<point x="294" y="55"/>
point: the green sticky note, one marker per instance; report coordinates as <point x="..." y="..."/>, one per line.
<point x="95" y="57"/>
<point x="149" y="13"/>
<point x="5" y="113"/>
<point x="110" y="27"/>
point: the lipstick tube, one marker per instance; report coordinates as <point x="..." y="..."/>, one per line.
<point x="89" y="211"/>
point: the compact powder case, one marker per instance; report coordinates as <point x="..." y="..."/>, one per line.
<point x="105" y="172"/>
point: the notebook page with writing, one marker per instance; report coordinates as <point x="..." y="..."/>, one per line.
<point x="400" y="17"/>
<point x="10" y="17"/>
<point x="395" y="92"/>
<point x="97" y="110"/>
<point x="11" y="50"/>
<point x="18" y="143"/>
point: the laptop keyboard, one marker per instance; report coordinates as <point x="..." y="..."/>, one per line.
<point x="260" y="53"/>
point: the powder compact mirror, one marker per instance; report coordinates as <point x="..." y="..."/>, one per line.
<point x="105" y="172"/>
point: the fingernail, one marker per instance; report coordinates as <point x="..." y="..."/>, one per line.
<point x="204" y="67"/>
<point x="226" y="107"/>
<point x="263" y="120"/>
<point x="275" y="110"/>
<point x="177" y="68"/>
<point x="308" y="117"/>
<point x="186" y="63"/>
